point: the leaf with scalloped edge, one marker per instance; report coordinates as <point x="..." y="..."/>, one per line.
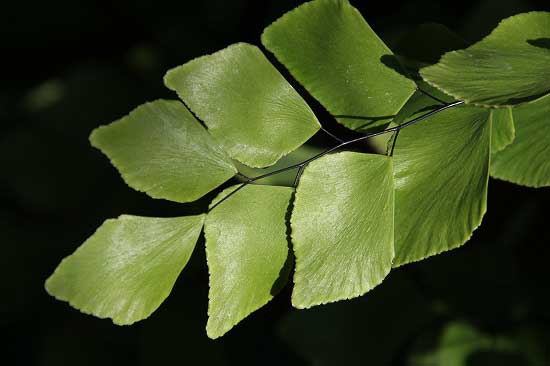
<point x="441" y="175"/>
<point x="247" y="252"/>
<point x="126" y="269"/>
<point x="247" y="105"/>
<point x="162" y="150"/>
<point x="342" y="227"/>
<point x="526" y="161"/>
<point x="509" y="66"/>
<point x="331" y="50"/>
<point x="503" y="131"/>
<point x="502" y="127"/>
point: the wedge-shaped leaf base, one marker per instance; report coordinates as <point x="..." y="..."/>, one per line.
<point x="248" y="106"/>
<point x="509" y="66"/>
<point x="247" y="252"/>
<point x="126" y="269"/>
<point x="342" y="227"/>
<point x="330" y="49"/>
<point x="527" y="160"/>
<point x="441" y="175"/>
<point x="162" y="150"/>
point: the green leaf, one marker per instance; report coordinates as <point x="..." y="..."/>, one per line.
<point x="509" y="66"/>
<point x="342" y="227"/>
<point x="527" y="160"/>
<point x="417" y="105"/>
<point x="441" y="174"/>
<point x="330" y="49"/>
<point x="286" y="178"/>
<point x="126" y="269"/>
<point x="247" y="105"/>
<point x="503" y="131"/>
<point x="247" y="252"/>
<point x="162" y="150"/>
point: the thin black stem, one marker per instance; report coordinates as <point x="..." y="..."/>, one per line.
<point x="275" y="172"/>
<point x="431" y="96"/>
<point x="242" y="176"/>
<point x="393" y="142"/>
<point x="298" y="175"/>
<point x="241" y="186"/>
<point x="331" y="135"/>
<point x="339" y="146"/>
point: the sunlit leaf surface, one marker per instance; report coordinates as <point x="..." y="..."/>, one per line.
<point x="342" y="227"/>
<point x="246" y="249"/>
<point x="126" y="269"/>
<point x="247" y="105"/>
<point x="330" y="49"/>
<point x="162" y="150"/>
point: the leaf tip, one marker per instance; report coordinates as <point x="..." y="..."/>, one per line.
<point x="299" y="303"/>
<point x="213" y="334"/>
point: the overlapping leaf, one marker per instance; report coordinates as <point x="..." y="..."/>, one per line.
<point x="247" y="249"/>
<point x="441" y="174"/>
<point x="286" y="178"/>
<point x="509" y="66"/>
<point x="330" y="49"/>
<point x="127" y="268"/>
<point x="162" y="150"/>
<point x="503" y="131"/>
<point x="342" y="227"/>
<point x="251" y="110"/>
<point x="343" y="218"/>
<point x="417" y="105"/>
<point x="527" y="160"/>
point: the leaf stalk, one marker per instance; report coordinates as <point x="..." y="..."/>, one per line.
<point x="301" y="166"/>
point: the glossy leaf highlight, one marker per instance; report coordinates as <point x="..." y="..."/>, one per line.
<point x="247" y="105"/>
<point x="247" y="252"/>
<point x="162" y="150"/>
<point x="331" y="50"/>
<point x="126" y="269"/>
<point x="342" y="227"/>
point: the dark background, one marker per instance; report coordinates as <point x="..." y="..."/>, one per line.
<point x="70" y="66"/>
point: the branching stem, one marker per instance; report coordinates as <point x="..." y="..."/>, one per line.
<point x="300" y="166"/>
